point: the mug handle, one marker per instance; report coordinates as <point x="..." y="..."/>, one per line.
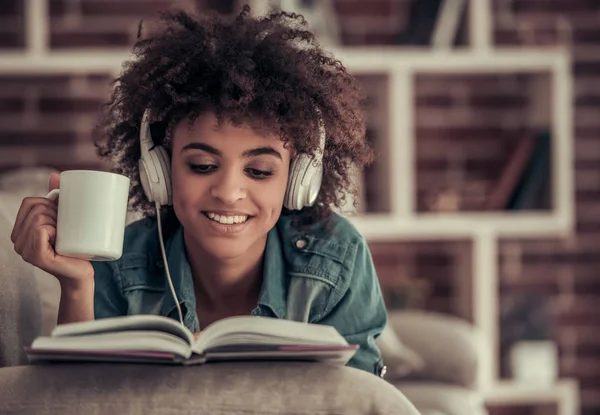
<point x="53" y="195"/>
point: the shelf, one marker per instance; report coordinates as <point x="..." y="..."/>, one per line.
<point x="452" y="226"/>
<point x="385" y="59"/>
<point x="386" y="227"/>
<point x="357" y="59"/>
<point x="565" y="393"/>
<point x="514" y="392"/>
<point x="74" y="61"/>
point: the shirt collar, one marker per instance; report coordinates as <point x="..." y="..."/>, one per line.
<point x="183" y="283"/>
<point x="273" y="293"/>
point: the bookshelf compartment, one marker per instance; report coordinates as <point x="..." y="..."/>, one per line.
<point x="426" y="275"/>
<point x="374" y="180"/>
<point x="510" y="113"/>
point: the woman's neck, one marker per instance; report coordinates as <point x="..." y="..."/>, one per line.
<point x="229" y="285"/>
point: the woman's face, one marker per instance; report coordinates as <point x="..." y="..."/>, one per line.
<point x="228" y="184"/>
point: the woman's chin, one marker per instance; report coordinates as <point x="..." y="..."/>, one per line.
<point x="225" y="249"/>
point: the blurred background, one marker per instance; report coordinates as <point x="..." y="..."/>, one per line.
<point x="483" y="201"/>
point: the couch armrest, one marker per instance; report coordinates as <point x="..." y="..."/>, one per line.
<point x="20" y="309"/>
<point x="448" y="345"/>
<point x="217" y="388"/>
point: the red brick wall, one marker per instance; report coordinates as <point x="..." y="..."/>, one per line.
<point x="465" y="127"/>
<point x="567" y="270"/>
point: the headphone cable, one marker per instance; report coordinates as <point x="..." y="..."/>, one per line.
<point x="164" y="255"/>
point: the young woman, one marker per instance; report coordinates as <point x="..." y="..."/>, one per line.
<point x="243" y="108"/>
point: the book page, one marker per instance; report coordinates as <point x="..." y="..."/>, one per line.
<point x="253" y="330"/>
<point x="112" y="342"/>
<point x="144" y="322"/>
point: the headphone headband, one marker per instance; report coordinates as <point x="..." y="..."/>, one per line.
<point x="321" y="125"/>
<point x="146" y="142"/>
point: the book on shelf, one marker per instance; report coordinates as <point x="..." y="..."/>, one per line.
<point x="421" y="22"/>
<point x="533" y="191"/>
<point x="157" y="339"/>
<point x="449" y="18"/>
<point x="524" y="184"/>
<point x="511" y="175"/>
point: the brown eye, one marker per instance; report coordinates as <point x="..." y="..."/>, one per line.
<point x="259" y="174"/>
<point x="202" y="168"/>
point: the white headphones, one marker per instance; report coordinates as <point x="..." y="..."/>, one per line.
<point x="154" y="167"/>
<point x="304" y="183"/>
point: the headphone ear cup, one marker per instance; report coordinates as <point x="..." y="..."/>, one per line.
<point x="155" y="176"/>
<point x="145" y="179"/>
<point x="290" y="191"/>
<point x="304" y="183"/>
<point x="164" y="172"/>
<point x="316" y="180"/>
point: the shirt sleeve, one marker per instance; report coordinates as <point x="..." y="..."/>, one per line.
<point x="360" y="314"/>
<point x="108" y="296"/>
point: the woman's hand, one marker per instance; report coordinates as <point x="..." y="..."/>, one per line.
<point x="34" y="236"/>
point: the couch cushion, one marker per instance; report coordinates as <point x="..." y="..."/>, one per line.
<point x="15" y="185"/>
<point x="20" y="311"/>
<point x="219" y="388"/>
<point x="448" y="345"/>
<point x="23" y="182"/>
<point x="46" y="285"/>
<point x="442" y="399"/>
<point x="399" y="359"/>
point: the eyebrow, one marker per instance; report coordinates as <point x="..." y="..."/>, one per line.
<point x="259" y="151"/>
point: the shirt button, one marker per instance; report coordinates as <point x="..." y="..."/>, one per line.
<point x="300" y="243"/>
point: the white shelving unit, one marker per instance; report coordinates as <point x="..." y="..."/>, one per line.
<point x="564" y="394"/>
<point x="483" y="229"/>
<point x="403" y="223"/>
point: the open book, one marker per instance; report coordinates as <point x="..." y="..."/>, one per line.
<point x="157" y="339"/>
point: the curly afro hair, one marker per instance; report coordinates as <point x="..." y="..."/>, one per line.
<point x="245" y="68"/>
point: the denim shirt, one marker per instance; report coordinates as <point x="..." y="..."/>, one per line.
<point x="315" y="275"/>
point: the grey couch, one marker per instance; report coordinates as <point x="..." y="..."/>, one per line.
<point x="224" y="388"/>
<point x="421" y="376"/>
<point x="215" y="389"/>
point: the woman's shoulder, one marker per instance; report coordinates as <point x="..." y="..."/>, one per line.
<point x="328" y="247"/>
<point x="334" y="228"/>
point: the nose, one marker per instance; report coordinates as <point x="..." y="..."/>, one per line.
<point x="228" y="187"/>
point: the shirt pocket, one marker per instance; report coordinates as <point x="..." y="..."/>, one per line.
<point x="317" y="258"/>
<point x="143" y="285"/>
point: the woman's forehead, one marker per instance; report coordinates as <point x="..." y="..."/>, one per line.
<point x="223" y="132"/>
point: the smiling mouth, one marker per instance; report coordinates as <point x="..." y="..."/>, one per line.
<point x="227" y="219"/>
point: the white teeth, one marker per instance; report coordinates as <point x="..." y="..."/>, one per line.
<point x="227" y="220"/>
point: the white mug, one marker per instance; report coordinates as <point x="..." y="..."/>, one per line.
<point x="92" y="214"/>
